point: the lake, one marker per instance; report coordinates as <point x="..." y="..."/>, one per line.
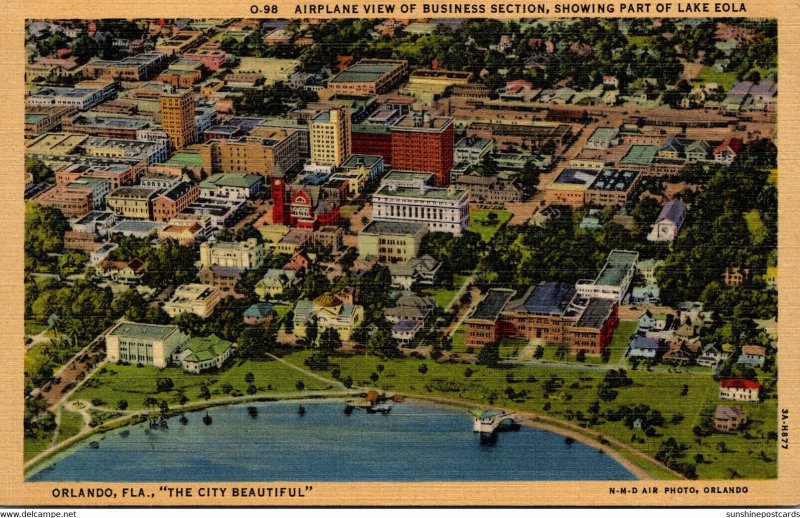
<point x="415" y="442"/>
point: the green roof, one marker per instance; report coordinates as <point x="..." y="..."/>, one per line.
<point x="185" y="160"/>
<point x="230" y="180"/>
<point x="206" y="348"/>
<point x="640" y="154"/>
<point x="429" y="193"/>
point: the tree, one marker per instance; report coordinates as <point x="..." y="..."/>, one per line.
<point x="122" y="404"/>
<point x="382" y="344"/>
<point x="489" y="355"/>
<point x="164" y="384"/>
<point x="581" y="356"/>
<point x="249" y="377"/>
<point x="255" y="343"/>
<point x="329" y="340"/>
<point x="312" y="330"/>
<point x="539" y="352"/>
<point x="423" y="369"/>
<point x="299" y="385"/>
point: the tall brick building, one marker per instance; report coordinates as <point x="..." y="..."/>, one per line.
<point x="177" y="117"/>
<point x="425" y="144"/>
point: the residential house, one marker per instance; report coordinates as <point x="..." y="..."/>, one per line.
<point x="729" y="418"/>
<point x="275" y="282"/>
<point x="419" y="270"/>
<point x="642" y="347"/>
<point x="739" y="389"/>
<point x="752" y="356"/>
<point x="405" y="330"/>
<point x="258" y="314"/>
<point x="710" y="356"/>
<point x="727" y="151"/>
<point x="735" y="276"/>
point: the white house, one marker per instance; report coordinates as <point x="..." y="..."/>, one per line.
<point x="669" y="222"/>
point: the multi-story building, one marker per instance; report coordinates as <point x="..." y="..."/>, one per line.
<point x="368" y="77"/>
<point x="71" y="148"/>
<point x="73" y="203"/>
<point x="200" y="299"/>
<point x="274" y="152"/>
<point x="212" y="59"/>
<point x="330" y="313"/>
<point x="391" y="241"/>
<point x="329" y="137"/>
<point x="172" y="201"/>
<point x="489" y="191"/>
<point x="80" y="98"/>
<point x="373" y="139"/>
<point x="177" y="117"/>
<point x="104" y="126"/>
<point x="132" y="68"/>
<point x="472" y="150"/>
<point x="97" y="187"/>
<point x="611" y="188"/>
<point x="424" y="143"/>
<point x="739" y="389"/>
<point x="669" y="222"/>
<point x="441" y="209"/>
<point x="614" y="279"/>
<point x="132" y="202"/>
<point x="232" y="186"/>
<point x="244" y="255"/>
<point x="116" y="174"/>
<point x="265" y="127"/>
<point x="148" y="344"/>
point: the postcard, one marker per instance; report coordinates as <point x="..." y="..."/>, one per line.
<point x="400" y="253"/>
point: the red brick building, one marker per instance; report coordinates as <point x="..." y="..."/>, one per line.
<point x="171" y="202"/>
<point x="425" y="144"/>
<point x="372" y="139"/>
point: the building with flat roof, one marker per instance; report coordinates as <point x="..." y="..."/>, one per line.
<point x="79" y="98"/>
<point x="330" y="138"/>
<point x="441" y="209"/>
<point x="200" y="299"/>
<point x="368" y="77"/>
<point x="104" y="126"/>
<point x="177" y="117"/>
<point x="614" y="279"/>
<point x="148" y="344"/>
<point x="232" y="186"/>
<point x="132" y="201"/>
<point x="132" y="68"/>
<point x="391" y="241"/>
<point x="273" y="152"/>
<point x="603" y="138"/>
<point x="243" y="255"/>
<point x="424" y="143"/>
<point x="611" y="188"/>
<point x="569" y="187"/>
<point x="73" y="203"/>
<point x="173" y="200"/>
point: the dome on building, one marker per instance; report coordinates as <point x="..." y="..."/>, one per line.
<point x="327" y="300"/>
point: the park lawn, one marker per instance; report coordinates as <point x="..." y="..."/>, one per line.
<point x="458" y="340"/>
<point x="660" y="390"/>
<point x="441" y="295"/>
<point x="71" y="425"/>
<point x="479" y="222"/>
<point x="621" y="339"/>
<point x="32" y="327"/>
<point x="725" y="79"/>
<point x="134" y="384"/>
<point x="33" y="446"/>
<point x="511" y="347"/>
<point x="348" y="211"/>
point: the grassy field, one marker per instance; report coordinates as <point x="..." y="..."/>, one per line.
<point x="621" y="339"/>
<point x="479" y="222"/>
<point x="577" y="391"/>
<point x="34" y="446"/>
<point x="134" y="384"/>
<point x="71" y="424"/>
<point x="281" y="310"/>
<point x="725" y="79"/>
<point x="442" y="296"/>
<point x="756" y="226"/>
<point x="773" y="176"/>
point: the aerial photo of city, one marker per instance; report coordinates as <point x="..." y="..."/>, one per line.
<point x="400" y="250"/>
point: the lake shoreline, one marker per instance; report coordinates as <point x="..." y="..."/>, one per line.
<point x="532" y="420"/>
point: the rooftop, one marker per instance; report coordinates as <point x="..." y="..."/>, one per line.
<point x="546" y="298"/>
<point x="491" y="306"/>
<point x="393" y="227"/>
<point x="614" y="180"/>
<point x="596" y="313"/>
<point x="144" y="331"/>
<point x="640" y="155"/>
<point x="367" y="71"/>
<point x="429" y="193"/>
<point x="206" y="348"/>
<point x="617" y="266"/>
